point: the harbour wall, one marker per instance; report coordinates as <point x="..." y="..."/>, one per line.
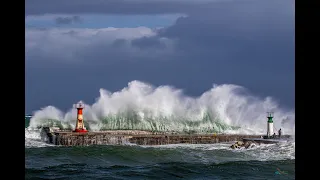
<point x="136" y="137"/>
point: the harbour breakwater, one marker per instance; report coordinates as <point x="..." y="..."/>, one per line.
<point x="67" y="138"/>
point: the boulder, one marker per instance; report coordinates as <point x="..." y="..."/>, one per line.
<point x="249" y="144"/>
<point x="237" y="145"/>
<point x="240" y="143"/>
<point x="233" y="146"/>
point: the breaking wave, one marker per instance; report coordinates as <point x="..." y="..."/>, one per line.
<point x="33" y="139"/>
<point x="140" y="106"/>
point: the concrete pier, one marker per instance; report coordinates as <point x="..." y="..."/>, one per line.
<point x="284" y="138"/>
<point x="81" y="137"/>
<point x="135" y="137"/>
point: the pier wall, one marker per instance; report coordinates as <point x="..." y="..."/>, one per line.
<point x="187" y="139"/>
<point x="137" y="137"/>
<point x="89" y="139"/>
<point x="67" y="138"/>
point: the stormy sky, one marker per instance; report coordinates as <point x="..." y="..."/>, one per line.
<point x="73" y="48"/>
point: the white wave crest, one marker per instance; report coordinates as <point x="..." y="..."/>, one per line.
<point x="142" y="106"/>
<point x="221" y="152"/>
<point x="33" y="139"/>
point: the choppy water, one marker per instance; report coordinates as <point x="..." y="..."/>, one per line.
<point x="224" y="108"/>
<point x="185" y="161"/>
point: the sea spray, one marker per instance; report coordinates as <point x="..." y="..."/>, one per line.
<point x="224" y="108"/>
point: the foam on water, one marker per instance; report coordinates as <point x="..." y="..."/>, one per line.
<point x="224" y="108"/>
<point x="221" y="152"/>
<point x="33" y="139"/>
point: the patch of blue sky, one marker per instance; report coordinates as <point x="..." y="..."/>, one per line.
<point x="103" y="21"/>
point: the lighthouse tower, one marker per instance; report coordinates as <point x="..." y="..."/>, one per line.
<point x="270" y="124"/>
<point x="80" y="124"/>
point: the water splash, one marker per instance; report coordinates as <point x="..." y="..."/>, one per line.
<point x="221" y="152"/>
<point x="224" y="108"/>
<point x="33" y="139"/>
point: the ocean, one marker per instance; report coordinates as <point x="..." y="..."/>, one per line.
<point x="179" y="161"/>
<point x="140" y="106"/>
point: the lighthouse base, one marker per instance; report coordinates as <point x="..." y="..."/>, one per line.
<point x="80" y="130"/>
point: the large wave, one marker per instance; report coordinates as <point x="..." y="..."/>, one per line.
<point x="224" y="108"/>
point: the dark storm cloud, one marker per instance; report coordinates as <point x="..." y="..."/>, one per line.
<point x="249" y="44"/>
<point x="40" y="7"/>
<point x="253" y="48"/>
<point x="146" y="42"/>
<point x="92" y="45"/>
<point x="68" y="20"/>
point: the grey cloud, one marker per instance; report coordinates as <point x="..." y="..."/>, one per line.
<point x="251" y="45"/>
<point x="118" y="43"/>
<point x="90" y="46"/>
<point x="40" y="7"/>
<point x="150" y="42"/>
<point x="68" y="20"/>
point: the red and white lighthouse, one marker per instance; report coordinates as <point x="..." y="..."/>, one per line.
<point x="80" y="124"/>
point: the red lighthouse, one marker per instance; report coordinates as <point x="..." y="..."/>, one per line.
<point x="80" y="124"/>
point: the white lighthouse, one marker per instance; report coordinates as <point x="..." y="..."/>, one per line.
<point x="270" y="124"/>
